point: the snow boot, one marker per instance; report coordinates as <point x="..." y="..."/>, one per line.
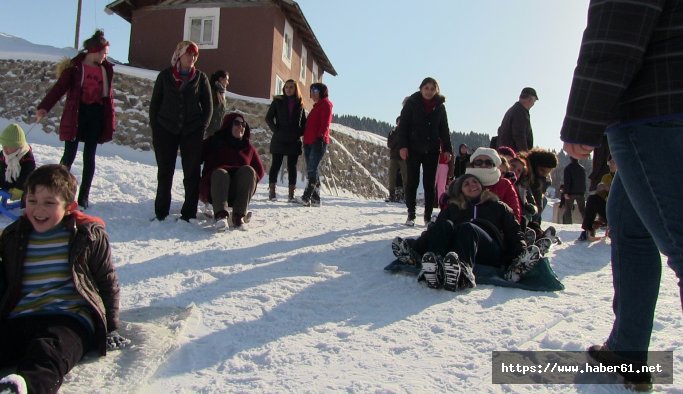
<point x="239" y="221"/>
<point x="543" y="245"/>
<point x="432" y="270"/>
<point x="271" y="192"/>
<point x="583" y="236"/>
<point x="290" y="197"/>
<point x="404" y="252"/>
<point x="13" y="384"/>
<point x="305" y="199"/>
<point x="523" y="263"/>
<point x="410" y="222"/>
<point x="466" y="279"/>
<point x="221" y="221"/>
<point x="315" y="196"/>
<point x="451" y="270"/>
<point x="633" y="381"/>
<point x="529" y="236"/>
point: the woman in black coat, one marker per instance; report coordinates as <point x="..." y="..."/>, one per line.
<point x="179" y="114"/>
<point x="475" y="228"/>
<point x="286" y="119"/>
<point x="422" y="133"/>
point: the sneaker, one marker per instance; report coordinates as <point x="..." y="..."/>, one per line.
<point x="404" y="252"/>
<point x="636" y="381"/>
<point x="550" y="232"/>
<point x="523" y="263"/>
<point x="583" y="236"/>
<point x="432" y="270"/>
<point x="13" y="384"/>
<point x="529" y="236"/>
<point x="451" y="271"/>
<point x="222" y="224"/>
<point x="543" y="245"/>
<point x="411" y="220"/>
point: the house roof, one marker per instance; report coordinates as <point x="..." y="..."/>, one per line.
<point x="292" y="11"/>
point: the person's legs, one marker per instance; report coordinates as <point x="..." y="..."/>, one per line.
<point x="220" y="185"/>
<point x="440" y="180"/>
<point x="429" y="163"/>
<point x="474" y="245"/>
<point x="393" y="171"/>
<point x="166" y="151"/>
<point x="291" y="169"/>
<point x="315" y="157"/>
<point x="568" y="208"/>
<point x="52" y="345"/>
<point x="645" y="218"/>
<point x="275" y="167"/>
<point x="91" y="129"/>
<point x="191" y="159"/>
<point x="242" y="187"/>
<point x="69" y="155"/>
<point x="595" y="205"/>
<point x="413" y="174"/>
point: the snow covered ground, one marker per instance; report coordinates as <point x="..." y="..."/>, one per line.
<point x="300" y="303"/>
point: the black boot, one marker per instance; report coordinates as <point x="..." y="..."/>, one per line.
<point x="308" y="191"/>
<point x="315" y="196"/>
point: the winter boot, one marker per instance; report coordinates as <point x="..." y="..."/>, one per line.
<point x="221" y="220"/>
<point x="410" y="222"/>
<point x="583" y="236"/>
<point x="634" y="381"/>
<point x="529" y="236"/>
<point x="400" y="195"/>
<point x="239" y="221"/>
<point x="271" y="192"/>
<point x="13" y="384"/>
<point x="404" y="252"/>
<point x="466" y="279"/>
<point x="391" y="198"/>
<point x="290" y="197"/>
<point x="315" y="197"/>
<point x="305" y="199"/>
<point x="83" y="194"/>
<point x="523" y="263"/>
<point x="432" y="270"/>
<point x="451" y="270"/>
<point x="543" y="245"/>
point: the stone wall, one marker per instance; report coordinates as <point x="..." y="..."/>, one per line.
<point x="352" y="165"/>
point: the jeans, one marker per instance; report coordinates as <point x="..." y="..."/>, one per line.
<point x="313" y="154"/>
<point x="645" y="217"/>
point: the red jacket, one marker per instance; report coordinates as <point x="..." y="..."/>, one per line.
<point x="70" y="82"/>
<point x="222" y="150"/>
<point x="507" y="194"/>
<point x="318" y="122"/>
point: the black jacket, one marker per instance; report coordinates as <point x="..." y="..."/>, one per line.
<point x="176" y="111"/>
<point x="515" y="129"/>
<point x="421" y="132"/>
<point x="392" y="143"/>
<point x="287" y="130"/>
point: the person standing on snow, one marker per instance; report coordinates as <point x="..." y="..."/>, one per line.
<point x="515" y="129"/>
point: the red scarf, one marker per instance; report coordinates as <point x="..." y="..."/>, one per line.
<point x="429" y="105"/>
<point x="179" y="78"/>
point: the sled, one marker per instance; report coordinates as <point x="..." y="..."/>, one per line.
<point x="7" y="206"/>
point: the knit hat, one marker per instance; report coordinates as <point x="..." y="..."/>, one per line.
<point x="182" y="48"/>
<point x="491" y="153"/>
<point x="13" y="136"/>
<point x="96" y="43"/>
<point x="455" y="189"/>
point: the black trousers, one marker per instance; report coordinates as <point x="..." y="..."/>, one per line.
<point x="429" y="162"/>
<point x="90" y="119"/>
<point x="166" y="152"/>
<point x="43" y="349"/>
<point x="595" y="205"/>
<point x="472" y="244"/>
<point x="291" y="168"/>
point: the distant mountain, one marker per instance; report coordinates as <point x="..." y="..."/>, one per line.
<point x="10" y="43"/>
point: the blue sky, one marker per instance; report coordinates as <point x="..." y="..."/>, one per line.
<point x="482" y="52"/>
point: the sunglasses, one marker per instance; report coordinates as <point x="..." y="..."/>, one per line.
<point x="237" y="122"/>
<point x="483" y="163"/>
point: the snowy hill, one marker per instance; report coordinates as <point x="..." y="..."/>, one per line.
<point x="300" y="303"/>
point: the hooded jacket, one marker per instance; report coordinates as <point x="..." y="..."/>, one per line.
<point x="223" y="151"/>
<point x="423" y="132"/>
<point x="70" y="81"/>
<point x="91" y="268"/>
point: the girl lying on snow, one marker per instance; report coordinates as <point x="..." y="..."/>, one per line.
<point x="475" y="228"/>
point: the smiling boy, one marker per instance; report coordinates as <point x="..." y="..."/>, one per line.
<point x="59" y="292"/>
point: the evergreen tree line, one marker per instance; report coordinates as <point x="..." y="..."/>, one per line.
<point x="472" y="139"/>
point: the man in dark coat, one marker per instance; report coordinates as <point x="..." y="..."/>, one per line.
<point x="574" y="189"/>
<point x="397" y="166"/>
<point x="515" y="129"/>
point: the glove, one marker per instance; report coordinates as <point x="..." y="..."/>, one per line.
<point x="116" y="342"/>
<point x="16" y="194"/>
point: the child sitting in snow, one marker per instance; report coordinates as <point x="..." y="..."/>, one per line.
<point x="59" y="292"/>
<point x="16" y="162"/>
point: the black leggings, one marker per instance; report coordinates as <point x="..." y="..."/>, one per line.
<point x="90" y="119"/>
<point x="291" y="168"/>
<point x="429" y="162"/>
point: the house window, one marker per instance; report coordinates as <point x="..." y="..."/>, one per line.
<point x="201" y="26"/>
<point x="279" y="84"/>
<point x="287" y="42"/>
<point x="314" y="72"/>
<point x="304" y="61"/>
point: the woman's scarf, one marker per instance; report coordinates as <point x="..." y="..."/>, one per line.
<point x="13" y="166"/>
<point x="487" y="176"/>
